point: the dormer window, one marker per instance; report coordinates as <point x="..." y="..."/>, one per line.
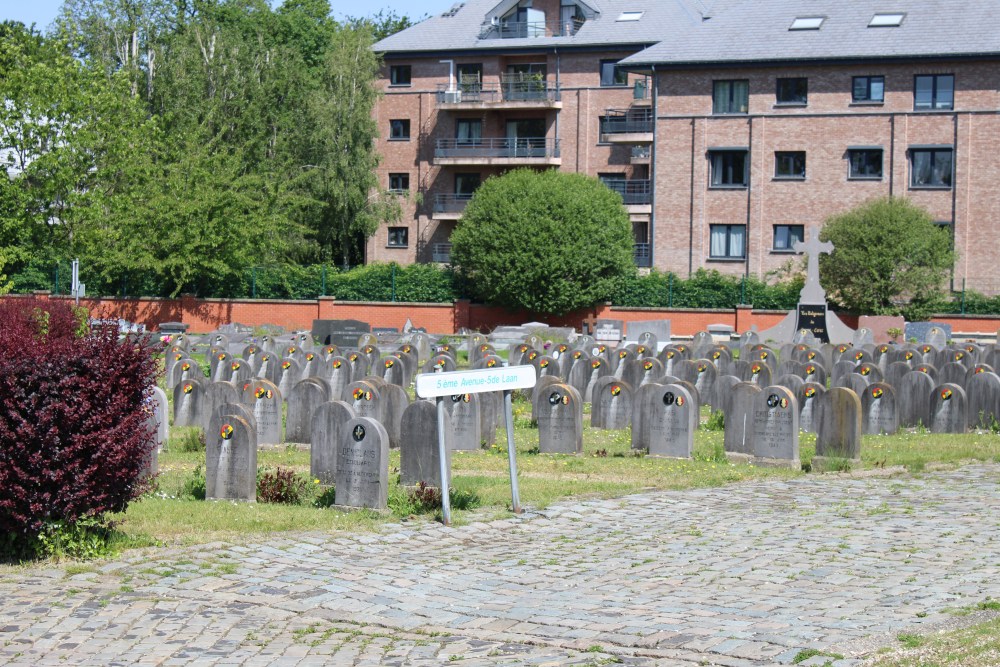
<point x="630" y="16"/>
<point x="520" y="20"/>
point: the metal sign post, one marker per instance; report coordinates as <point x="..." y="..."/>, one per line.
<point x="506" y="379"/>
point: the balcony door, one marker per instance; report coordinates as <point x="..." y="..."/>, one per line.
<point x="466" y="185"/>
<point x="526" y="137"/>
<point x="468" y="132"/>
<point x="524" y="81"/>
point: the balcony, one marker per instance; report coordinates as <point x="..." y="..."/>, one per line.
<point x="641" y="154"/>
<point x="530" y="29"/>
<point x="635" y="194"/>
<point x="507" y="95"/>
<point x="643" y="255"/>
<point x="441" y="252"/>
<point x="450" y="207"/>
<point x="627" y="126"/>
<point x="498" y="152"/>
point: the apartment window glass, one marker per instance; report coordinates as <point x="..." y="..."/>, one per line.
<point x="868" y="89"/>
<point x="790" y="164"/>
<point x="792" y="91"/>
<point x="730" y="96"/>
<point x="399" y="129"/>
<point x="786" y="236"/>
<point x="865" y="163"/>
<point x="934" y="91"/>
<point x="399" y="237"/>
<point x="469" y="131"/>
<point x="470" y="77"/>
<point x="727" y="241"/>
<point x="729" y="168"/>
<point x="612" y="75"/>
<point x="399" y="183"/>
<point x="931" y="167"/>
<point x="399" y="75"/>
<point x="466" y="184"/>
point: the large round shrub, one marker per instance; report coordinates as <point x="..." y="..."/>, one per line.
<point x="548" y="242"/>
<point x="74" y="440"/>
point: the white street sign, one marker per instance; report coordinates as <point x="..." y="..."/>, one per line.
<point x="430" y="385"/>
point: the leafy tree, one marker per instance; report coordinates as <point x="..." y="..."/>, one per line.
<point x="889" y="258"/>
<point x="384" y="23"/>
<point x="549" y="242"/>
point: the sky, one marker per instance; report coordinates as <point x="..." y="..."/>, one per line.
<point x="43" y="12"/>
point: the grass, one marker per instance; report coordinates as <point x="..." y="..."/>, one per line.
<point x="975" y="646"/>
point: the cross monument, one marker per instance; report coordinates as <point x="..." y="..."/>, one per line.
<point x="812" y="292"/>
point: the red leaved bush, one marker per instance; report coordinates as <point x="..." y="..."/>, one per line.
<point x="73" y="422"/>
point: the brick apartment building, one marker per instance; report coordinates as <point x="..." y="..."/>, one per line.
<point x="728" y="127"/>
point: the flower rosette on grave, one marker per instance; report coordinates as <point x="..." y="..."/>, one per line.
<point x="226" y="432"/>
<point x="246" y="386"/>
<point x="266" y="357"/>
<point x="252" y="350"/>
<point x="858" y="356"/>
<point x="883" y="349"/>
<point x="682" y="347"/>
<point x="178" y="356"/>
<point x="755" y="369"/>
<point x="865" y="370"/>
<point x="187" y="388"/>
<point x="389" y="363"/>
<point x="235" y="366"/>
<point x="185" y="367"/>
<point x="671" y="354"/>
<point x="763" y="355"/>
<point x="716" y="355"/>
<point x="922" y="369"/>
<point x="647" y="365"/>
<point x="640" y="349"/>
<point x="616" y="390"/>
<point x="810" y="370"/>
<point x="310" y="356"/>
<point x="337" y="363"/>
<point x="285" y="365"/>
<point x="440" y="363"/>
<point x="946" y="394"/>
<point x="979" y="369"/>
<point x="702" y="368"/>
<point x="577" y="354"/>
<point x="222" y="356"/>
<point x="810" y="392"/>
<point x="491" y="363"/>
<point x="532" y="355"/>
<point x="926" y="348"/>
<point x="877" y="392"/>
<point x="907" y="355"/>
<point x="544" y="363"/>
<point x="353" y="356"/>
<point x="622" y="354"/>
<point x="595" y="363"/>
<point x="959" y="356"/>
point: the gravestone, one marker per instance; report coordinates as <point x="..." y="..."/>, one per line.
<point x="358" y="363"/>
<point x="221" y="368"/>
<point x="722" y="391"/>
<point x="338" y="374"/>
<point x="266" y="408"/>
<point x="869" y="371"/>
<point x="236" y="410"/>
<point x="838" y="433"/>
<point x="659" y="328"/>
<point x="291" y="373"/>
<point x="362" y="476"/>
<point x="642" y="371"/>
<point x="878" y="410"/>
<point x="466" y="422"/>
<point x="983" y="392"/>
<point x="366" y="400"/>
<point x="490" y="412"/>
<point x="339" y="332"/>
<point x="739" y="410"/>
<point x="609" y="332"/>
<point x="303" y="400"/>
<point x="240" y="371"/>
<point x="269" y="368"/>
<point x="328" y="424"/>
<point x="953" y="372"/>
<point x="757" y="372"/>
<point x="791" y="382"/>
<point x="672" y="418"/>
<point x="611" y="404"/>
<point x="537" y="395"/>
<point x="776" y="428"/>
<point x="184" y="369"/>
<point x="216" y="394"/>
<point x="913" y="399"/>
<point x="440" y="363"/>
<point x="313" y="364"/>
<point x="230" y="460"/>
<point x="808" y="397"/>
<point x="949" y="409"/>
<point x="372" y="354"/>
<point x="419" y="455"/>
<point x="189" y="399"/>
<point x="160" y="416"/>
<point x="894" y="373"/>
<point x="560" y="420"/>
<point x="515" y="354"/>
<point x="393" y="371"/>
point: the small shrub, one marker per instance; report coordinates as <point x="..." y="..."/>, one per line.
<point x="424" y="499"/>
<point x="282" y="486"/>
<point x="192" y="440"/>
<point x="325" y="498"/>
<point x="194" y="486"/>
<point x="716" y="421"/>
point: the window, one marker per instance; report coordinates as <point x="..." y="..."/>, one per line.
<point x="612" y="75"/>
<point x="630" y="16"/>
<point x="726" y="241"/>
<point x="466" y="184"/>
<point x="930" y="167"/>
<point x="399" y="183"/>
<point x="886" y="20"/>
<point x="399" y="130"/>
<point x="730" y="96"/>
<point x="790" y="164"/>
<point x="469" y="131"/>
<point x="399" y="75"/>
<point x="933" y="91"/>
<point x="807" y="23"/>
<point x="398" y="237"/>
<point x="792" y="91"/>
<point x="868" y="89"/>
<point x="729" y="168"/>
<point x="470" y="77"/>
<point x="865" y="163"/>
<point x="786" y="236"/>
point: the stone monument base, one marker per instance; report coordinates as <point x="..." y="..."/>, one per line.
<point x="736" y="457"/>
<point x="833" y="464"/>
<point x="785" y="330"/>
<point x="792" y="464"/>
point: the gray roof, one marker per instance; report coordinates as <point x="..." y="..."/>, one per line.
<point x="461" y="31"/>
<point x="754" y="31"/>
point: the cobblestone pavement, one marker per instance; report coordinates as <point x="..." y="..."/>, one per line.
<point x="743" y="575"/>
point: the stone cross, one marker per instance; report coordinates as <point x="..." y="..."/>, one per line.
<point x="812" y="292"/>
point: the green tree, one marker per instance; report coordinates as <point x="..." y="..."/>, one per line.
<point x="889" y="258"/>
<point x="548" y="242"/>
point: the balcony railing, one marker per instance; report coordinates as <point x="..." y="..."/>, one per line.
<point x="533" y="147"/>
<point x="643" y="255"/>
<point x="633" y="192"/>
<point x="627" y="121"/>
<point x="508" y="91"/>
<point x="450" y="203"/>
<point x="526" y="29"/>
<point x="441" y="252"/>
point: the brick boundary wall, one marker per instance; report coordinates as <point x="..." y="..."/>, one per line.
<point x="205" y="315"/>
